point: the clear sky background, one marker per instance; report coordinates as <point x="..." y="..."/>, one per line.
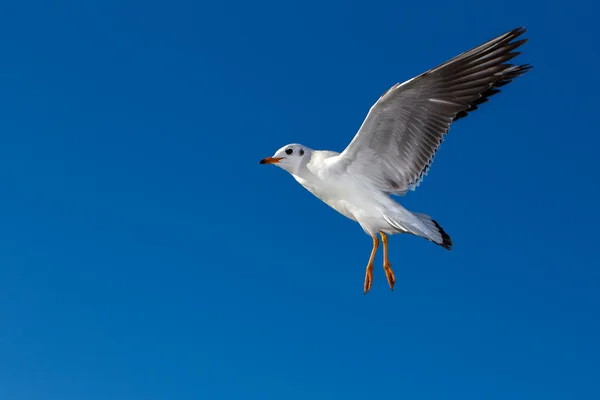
<point x="145" y="254"/>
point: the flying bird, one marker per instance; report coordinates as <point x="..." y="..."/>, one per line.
<point x="396" y="143"/>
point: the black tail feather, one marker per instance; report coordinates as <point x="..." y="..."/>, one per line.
<point x="446" y="241"/>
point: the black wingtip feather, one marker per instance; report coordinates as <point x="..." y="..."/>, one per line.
<point x="508" y="77"/>
<point x="446" y="241"/>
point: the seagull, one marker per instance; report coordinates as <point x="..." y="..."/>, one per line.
<point x="396" y="143"/>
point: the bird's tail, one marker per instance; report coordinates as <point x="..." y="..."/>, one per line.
<point x="422" y="225"/>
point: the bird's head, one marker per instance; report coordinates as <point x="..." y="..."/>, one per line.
<point x="290" y="157"/>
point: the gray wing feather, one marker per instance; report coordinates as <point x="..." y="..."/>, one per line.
<point x="403" y="130"/>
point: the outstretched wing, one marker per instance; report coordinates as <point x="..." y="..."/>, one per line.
<point x="403" y="130"/>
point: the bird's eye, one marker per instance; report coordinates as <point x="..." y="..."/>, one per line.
<point x="301" y="152"/>
<point x="289" y="151"/>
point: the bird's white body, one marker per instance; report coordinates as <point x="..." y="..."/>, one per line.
<point x="348" y="195"/>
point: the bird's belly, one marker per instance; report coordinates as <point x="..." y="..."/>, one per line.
<point x="338" y="203"/>
<point x="354" y="204"/>
<point x="342" y="206"/>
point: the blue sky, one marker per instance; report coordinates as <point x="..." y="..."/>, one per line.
<point x="145" y="254"/>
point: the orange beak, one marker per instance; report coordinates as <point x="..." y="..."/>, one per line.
<point x="271" y="160"/>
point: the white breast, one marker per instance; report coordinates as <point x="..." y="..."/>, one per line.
<point x="332" y="196"/>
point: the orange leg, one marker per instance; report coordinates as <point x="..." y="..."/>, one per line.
<point x="369" y="274"/>
<point x="389" y="273"/>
